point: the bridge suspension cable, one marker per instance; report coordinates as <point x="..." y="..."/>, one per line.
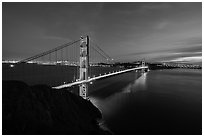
<point x="48" y="52"/>
<point x="101" y="52"/>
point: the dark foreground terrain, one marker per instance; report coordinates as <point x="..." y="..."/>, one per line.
<point x="39" y="109"/>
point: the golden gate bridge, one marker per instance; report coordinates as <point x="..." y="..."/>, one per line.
<point x="75" y="63"/>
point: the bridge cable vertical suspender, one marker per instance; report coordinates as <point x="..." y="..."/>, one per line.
<point x="75" y="60"/>
<point x="62" y="64"/>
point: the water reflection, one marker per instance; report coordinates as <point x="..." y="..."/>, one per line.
<point x="138" y="84"/>
<point x="112" y="105"/>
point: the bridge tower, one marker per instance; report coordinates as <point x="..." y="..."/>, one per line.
<point x="143" y="64"/>
<point x="84" y="65"/>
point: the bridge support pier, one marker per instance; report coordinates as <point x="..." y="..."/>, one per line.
<point x="84" y="65"/>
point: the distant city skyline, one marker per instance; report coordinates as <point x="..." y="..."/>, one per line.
<point x="158" y="32"/>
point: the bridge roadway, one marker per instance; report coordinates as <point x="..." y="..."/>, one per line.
<point x="98" y="77"/>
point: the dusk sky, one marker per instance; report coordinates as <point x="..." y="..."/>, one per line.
<point x="125" y="31"/>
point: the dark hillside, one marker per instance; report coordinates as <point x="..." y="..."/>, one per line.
<point x="39" y="109"/>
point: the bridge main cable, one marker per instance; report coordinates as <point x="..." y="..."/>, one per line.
<point x="48" y="52"/>
<point x="98" y="52"/>
<point x="104" y="54"/>
<point x="103" y="51"/>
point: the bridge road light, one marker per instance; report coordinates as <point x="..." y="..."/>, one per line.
<point x="11" y="65"/>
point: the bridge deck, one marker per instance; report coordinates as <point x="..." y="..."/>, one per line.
<point x="98" y="77"/>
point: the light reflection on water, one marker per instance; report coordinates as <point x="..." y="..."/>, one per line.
<point x="139" y="84"/>
<point x="113" y="102"/>
<point x="158" y="102"/>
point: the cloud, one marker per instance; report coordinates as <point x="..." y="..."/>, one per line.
<point x="192" y="41"/>
<point x="129" y="30"/>
<point x="150" y="7"/>
<point x="56" y="38"/>
<point x="194" y="59"/>
<point x="181" y="50"/>
<point x="165" y="54"/>
<point x="161" y="25"/>
<point x="156" y="6"/>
